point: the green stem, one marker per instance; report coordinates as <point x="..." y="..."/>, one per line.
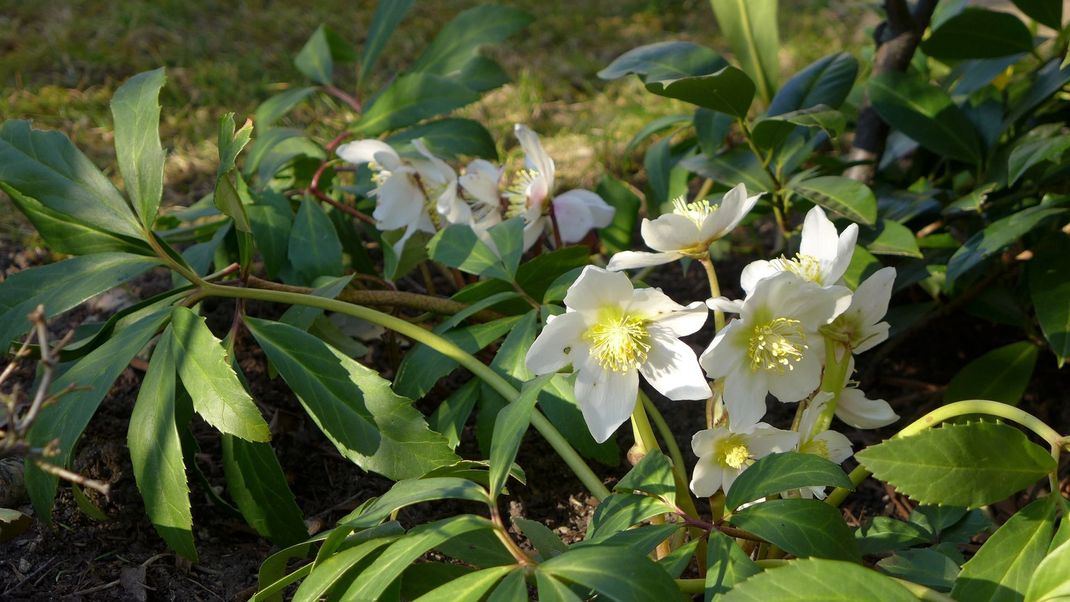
<point x="715" y="291"/>
<point x="832" y="381"/>
<point x="641" y="424"/>
<point x="666" y="432"/>
<point x="963" y="408"/>
<point x="589" y="479"/>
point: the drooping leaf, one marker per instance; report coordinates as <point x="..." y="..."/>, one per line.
<point x="978" y="33"/>
<point x="777" y="473"/>
<point x="1000" y="375"/>
<point x="752" y="31"/>
<point x="663" y="61"/>
<point x="826" y="81"/>
<point x="995" y="237"/>
<point x="926" y="114"/>
<point x="727" y="565"/>
<point x="1002" y="569"/>
<point x="450" y="138"/>
<point x="386" y="19"/>
<point x="314" y="249"/>
<point x="156" y="453"/>
<point x="959" y="464"/>
<point x="801" y="527"/>
<point x="135" y="108"/>
<point x="728" y="90"/>
<point x="849" y="198"/>
<point x="599" y="568"/>
<point x="257" y="484"/>
<point x="816" y="580"/>
<point x="411" y="98"/>
<point x="509" y="428"/>
<point x="460" y="40"/>
<point x="1049" y="287"/>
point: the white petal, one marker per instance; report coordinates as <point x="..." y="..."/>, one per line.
<point x="601" y="212"/>
<point x="812" y="411"/>
<point x="730" y="475"/>
<point x="704" y="442"/>
<point x="765" y="440"/>
<point x="534" y="229"/>
<point x="628" y="260"/>
<point x="819" y="237"/>
<point x="534" y="154"/>
<point x="596" y="288"/>
<point x="735" y="205"/>
<point x="606" y="399"/>
<point x="857" y="410"/>
<point x="398" y="203"/>
<point x="365" y="151"/>
<point x="655" y="306"/>
<point x="724" y="304"/>
<point x="839" y="446"/>
<point x="548" y="353"/>
<point x="744" y="398"/>
<point x="707" y="478"/>
<point x="845" y="247"/>
<point x="754" y="272"/>
<point x="795" y="384"/>
<point x="670" y="232"/>
<point x="723" y="356"/>
<point x="672" y="368"/>
<point x="870" y="336"/>
<point x="871" y="298"/>
<point x="576" y="214"/>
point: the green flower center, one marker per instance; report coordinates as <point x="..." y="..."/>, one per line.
<point x="732" y="452"/>
<point x="806" y="267"/>
<point x="619" y="341"/>
<point x="816" y="447"/>
<point x="776" y="345"/>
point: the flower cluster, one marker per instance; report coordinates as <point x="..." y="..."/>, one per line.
<point x="797" y="330"/>
<point x="423" y="194"/>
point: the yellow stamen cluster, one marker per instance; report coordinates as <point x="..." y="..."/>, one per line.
<point x="776" y="345"/>
<point x="379" y="175"/>
<point x="816" y="447"/>
<point x="806" y="267"/>
<point x="619" y="342"/>
<point x="697" y="212"/>
<point x="732" y="452"/>
<point x="516" y="195"/>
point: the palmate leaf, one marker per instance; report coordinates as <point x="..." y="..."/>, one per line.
<point x="959" y="464"/>
<point x="815" y="580"/>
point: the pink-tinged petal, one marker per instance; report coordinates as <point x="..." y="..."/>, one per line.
<point x="366" y="151"/>
<point x="549" y="352"/>
<point x="857" y="410"/>
<point x="670" y="232"/>
<point x="606" y="399"/>
<point x="629" y="260"/>
<point x="707" y="478"/>
<point x="597" y="288"/>
<point x="672" y="368"/>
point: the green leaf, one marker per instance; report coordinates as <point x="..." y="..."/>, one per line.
<point x="510" y="589"/>
<point x="480" y="549"/>
<point x="541" y="537"/>
<point x="655" y="126"/>
<point x="552" y="590"/>
<point x="977" y="33"/>
<point x="328" y="573"/>
<point x="849" y="198"/>
<point x="386" y="19"/>
<point x="676" y="562"/>
<point x="482" y="74"/>
<point x="231" y="143"/>
<point x="927" y="567"/>
<point x="959" y="464"/>
<point x="62" y="285"/>
<point x="303" y="316"/>
<point x="1002" y="374"/>
<point x="1048" y="12"/>
<point x="826" y="81"/>
<point x="663" y="61"/>
<point x="752" y="32"/>
<point x="1032" y="152"/>
<point x="777" y="473"/>
<point x="508" y="237"/>
<point x="509" y="428"/>
<point x="891" y="238"/>
<point x="800" y="527"/>
<point x="1049" y="287"/>
<point x="135" y="109"/>
<point x="600" y="568"/>
<point x="617" y="236"/>
<point x="472" y="586"/>
<point x="770" y="132"/>
<point x="727" y="565"/>
<point x="884" y="534"/>
<point x="925" y="113"/>
<point x="1051" y="580"/>
<point x="457" y="246"/>
<point x="415" y="491"/>
<point x="460" y="40"/>
<point x="658" y="162"/>
<point x="257" y="484"/>
<point x="314" y="60"/>
<point x="271" y="220"/>
<point x="314" y="249"/>
<point x="411" y="98"/>
<point x="47" y="168"/>
<point x="641" y="540"/>
<point x="274" y="108"/>
<point x="621" y="511"/>
<point x="450" y="138"/>
<point x="451" y="415"/>
<point x="728" y="90"/>
<point x="1047" y="80"/>
<point x="91" y="378"/>
<point x="156" y="453"/>
<point x="995" y="237"/>
<point x="1002" y="569"/>
<point x="371" y="583"/>
<point x="652" y="476"/>
<point x="738" y="165"/>
<point x="815" y="580"/>
<point x="423" y="366"/>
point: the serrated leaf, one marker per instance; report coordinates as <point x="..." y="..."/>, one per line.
<point x="665" y="61"/>
<point x="508" y="237"/>
<point x="815" y="580"/>
<point x="510" y="589"/>
<point x="959" y="464"/>
<point x="826" y="81"/>
<point x="621" y="511"/>
<point x="412" y="98"/>
<point x="257" y="484"/>
<point x="752" y="32"/>
<point x="1049" y="288"/>
<point x="1002" y="374"/>
<point x="1002" y="569"/>
<point x="777" y="473"/>
<point x="801" y="527"/>
<point x="135" y="109"/>
<point x="728" y="90"/>
<point x="977" y="33"/>
<point x="206" y="373"/>
<point x="926" y="114"/>
<point x="849" y="198"/>
<point x="599" y="568"/>
<point x="727" y="565"/>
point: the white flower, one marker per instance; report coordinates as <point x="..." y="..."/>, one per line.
<point x="610" y="333"/>
<point x="414" y="194"/>
<point x="723" y="453"/>
<point x="480" y="191"/>
<point x="688" y="231"/>
<point x="576" y="211"/>
<point x="855" y="409"/>
<point x="823" y="254"/>
<point x="774" y="346"/>
<point x="860" y="327"/>
<point x="828" y="444"/>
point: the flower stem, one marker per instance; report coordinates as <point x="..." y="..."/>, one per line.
<point x="561" y="445"/>
<point x="832" y="381"/>
<point x="715" y="291"/>
<point x="644" y="433"/>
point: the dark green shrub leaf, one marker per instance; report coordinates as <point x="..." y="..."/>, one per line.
<point x="777" y="473"/>
<point x="663" y="61"/>
<point x="727" y="565"/>
<point x="1048" y="80"/>
<point x="460" y="40"/>
<point x="1049" y="288"/>
<point x="414" y="491"/>
<point x="800" y="527"/>
<point x="752" y="32"/>
<point x="655" y="126"/>
<point x="925" y="113"/>
<point x="816" y="580"/>
<point x="927" y="567"/>
<point x="959" y="464"/>
<point x="274" y="108"/>
<point x="386" y="19"/>
<point x="599" y="568"/>
<point x="135" y="109"/>
<point x="66" y="234"/>
<point x="890" y="238"/>
<point x="770" y="132"/>
<point x="450" y="138"/>
<point x="976" y="33"/>
<point x="738" y="165"/>
<point x="995" y="237"/>
<point x="1000" y="375"/>
<point x="826" y="81"/>
<point x="849" y="198"/>
<point x="652" y="476"/>
<point x="1048" y="12"/>
<point x="1032" y="152"/>
<point x="411" y="98"/>
<point x="314" y="249"/>
<point x="314" y="60"/>
<point x="509" y="428"/>
<point x="728" y="90"/>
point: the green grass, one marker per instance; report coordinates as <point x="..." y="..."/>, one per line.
<point x="62" y="61"/>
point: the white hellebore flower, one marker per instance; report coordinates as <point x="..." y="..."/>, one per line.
<point x="860" y="327"/>
<point x="480" y="191"/>
<point x="610" y="333"/>
<point x="774" y="346"/>
<point x="576" y="211"/>
<point x="723" y="453"/>
<point x="412" y="194"/>
<point x="688" y="231"/>
<point x="828" y="444"/>
<point x="823" y="254"/>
